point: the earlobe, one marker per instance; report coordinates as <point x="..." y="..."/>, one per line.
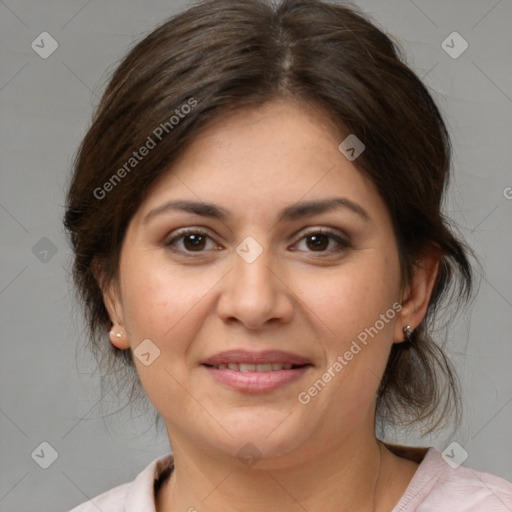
<point x="117" y="334"/>
<point x="112" y="302"/>
<point x="119" y="339"/>
<point x="417" y="295"/>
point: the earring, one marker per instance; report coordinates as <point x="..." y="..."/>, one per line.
<point x="407" y="330"/>
<point x="117" y="334"/>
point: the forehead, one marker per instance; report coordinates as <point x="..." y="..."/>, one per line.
<point x="263" y="157"/>
<point x="282" y="129"/>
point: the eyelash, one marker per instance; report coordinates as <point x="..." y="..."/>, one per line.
<point x="343" y="243"/>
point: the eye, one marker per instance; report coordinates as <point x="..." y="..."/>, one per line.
<point x="320" y="240"/>
<point x="191" y="241"/>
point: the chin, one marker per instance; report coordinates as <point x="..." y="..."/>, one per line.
<point x="268" y="436"/>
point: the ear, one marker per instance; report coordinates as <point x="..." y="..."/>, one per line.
<point x="112" y="300"/>
<point x="416" y="296"/>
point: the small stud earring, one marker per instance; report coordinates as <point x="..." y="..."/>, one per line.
<point x="407" y="330"/>
<point x="117" y="334"/>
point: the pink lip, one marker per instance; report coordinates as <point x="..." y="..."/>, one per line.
<point x="247" y="357"/>
<point x="256" y="382"/>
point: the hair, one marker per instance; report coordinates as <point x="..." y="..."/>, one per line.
<point x="220" y="56"/>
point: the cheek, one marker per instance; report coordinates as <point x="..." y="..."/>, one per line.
<point x="168" y="306"/>
<point x="163" y="307"/>
<point x="352" y="299"/>
<point x="157" y="297"/>
<point x="148" y="306"/>
<point x="356" y="310"/>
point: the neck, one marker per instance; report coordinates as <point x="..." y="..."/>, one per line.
<point x="352" y="476"/>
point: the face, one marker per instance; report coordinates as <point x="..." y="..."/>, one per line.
<point x="267" y="276"/>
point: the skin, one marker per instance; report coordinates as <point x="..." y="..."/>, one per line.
<point x="295" y="297"/>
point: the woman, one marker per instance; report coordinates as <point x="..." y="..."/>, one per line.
<point x="256" y="220"/>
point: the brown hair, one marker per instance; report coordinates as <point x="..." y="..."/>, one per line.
<point x="222" y="55"/>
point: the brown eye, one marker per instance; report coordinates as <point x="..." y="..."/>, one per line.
<point x="318" y="242"/>
<point x="190" y="241"/>
<point x="194" y="242"/>
<point x="321" y="241"/>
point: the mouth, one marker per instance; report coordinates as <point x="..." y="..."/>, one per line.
<point x="264" y="367"/>
<point x="256" y="372"/>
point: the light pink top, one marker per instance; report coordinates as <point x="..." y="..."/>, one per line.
<point x="435" y="487"/>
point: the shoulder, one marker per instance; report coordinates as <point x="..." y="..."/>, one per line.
<point x="113" y="500"/>
<point x="132" y="496"/>
<point x="441" y="487"/>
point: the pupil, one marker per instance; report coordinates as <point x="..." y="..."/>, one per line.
<point x="195" y="241"/>
<point x="317" y="241"/>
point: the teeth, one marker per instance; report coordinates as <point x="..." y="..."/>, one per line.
<point x="246" y="367"/>
<point x="264" y="367"/>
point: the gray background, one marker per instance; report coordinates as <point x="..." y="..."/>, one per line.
<point x="48" y="391"/>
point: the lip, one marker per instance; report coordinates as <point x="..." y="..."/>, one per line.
<point x="248" y="357"/>
<point x="254" y="381"/>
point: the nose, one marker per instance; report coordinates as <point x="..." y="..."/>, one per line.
<point x="255" y="293"/>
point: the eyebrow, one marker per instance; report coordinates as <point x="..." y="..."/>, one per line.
<point x="293" y="212"/>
